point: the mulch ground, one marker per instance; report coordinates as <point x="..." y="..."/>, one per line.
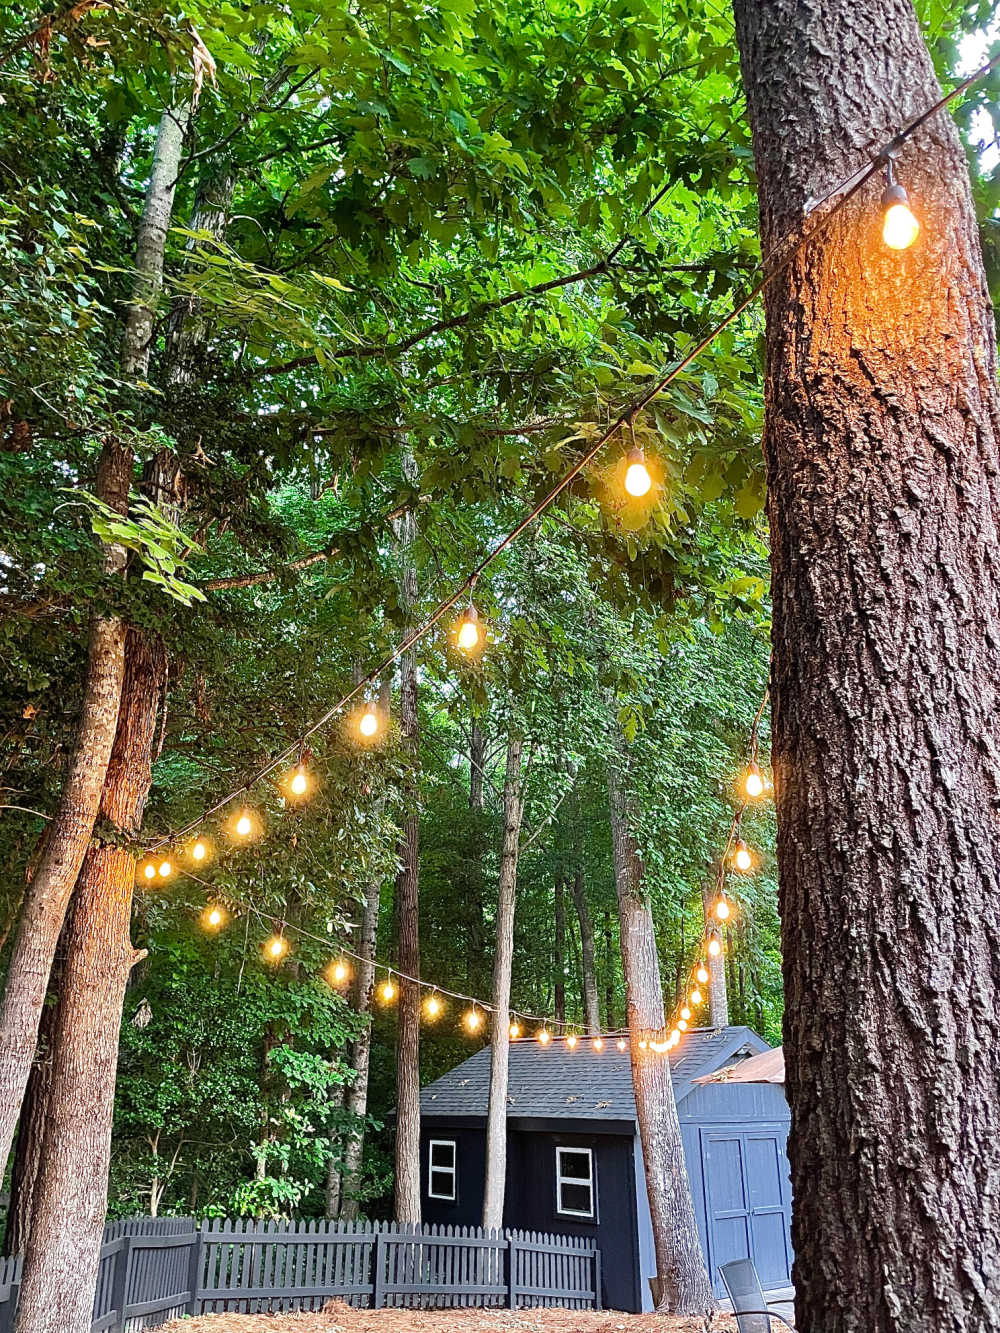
<point x="340" y="1318"/>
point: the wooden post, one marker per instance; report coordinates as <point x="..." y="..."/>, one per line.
<point x="378" y="1270"/>
<point x="195" y="1254"/>
<point x="120" y="1284"/>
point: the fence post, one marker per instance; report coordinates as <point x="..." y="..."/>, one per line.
<point x="597" y="1278"/>
<point x="511" y="1270"/>
<point x="119" y="1285"/>
<point x="378" y="1271"/>
<point x="194" y="1268"/>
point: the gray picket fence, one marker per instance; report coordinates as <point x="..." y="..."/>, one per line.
<point x="155" y="1269"/>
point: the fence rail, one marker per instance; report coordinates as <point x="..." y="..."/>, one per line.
<point x="155" y="1269"/>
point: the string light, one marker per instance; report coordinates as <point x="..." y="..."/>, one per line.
<point x="621" y="1043"/>
<point x="660" y="1047"/>
<point x="714" y="948"/>
<point x="469" y="632"/>
<point x="165" y="870"/>
<point x="515" y="1031"/>
<point x="199" y="850"/>
<point x="297" y="781"/>
<point x="433" y="1006"/>
<point x="643" y="1043"/>
<point x="149" y="870"/>
<point x="368" y="725"/>
<point x="473" y="1019"/>
<point x="685" y="1013"/>
<point x="571" y="1041"/>
<point x="682" y="1024"/>
<point x="742" y="858"/>
<point x="676" y="1034"/>
<point x="245" y="825"/>
<point x="899" y="227"/>
<point x="387" y="990"/>
<point x="598" y="1044"/>
<point x="722" y="910"/>
<point x="276" y="948"/>
<point x="753" y="783"/>
<point x="637" y="478"/>
<point x="696" y="997"/>
<point x="213" y="917"/>
<point x="702" y="974"/>
<point x="544" y="1036"/>
<point x="339" y="972"/>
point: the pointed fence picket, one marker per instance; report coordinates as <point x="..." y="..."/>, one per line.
<point x="154" y="1269"/>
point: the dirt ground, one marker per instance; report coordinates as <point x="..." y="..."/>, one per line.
<point x="339" y="1318"/>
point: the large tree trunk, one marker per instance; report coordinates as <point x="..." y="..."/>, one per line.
<point x="684" y="1284"/>
<point x="70" y="1202"/>
<point x="408" y="905"/>
<point x="881" y="444"/>
<point x="496" y="1118"/>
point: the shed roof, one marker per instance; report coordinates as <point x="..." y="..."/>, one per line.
<point x="556" y="1083"/>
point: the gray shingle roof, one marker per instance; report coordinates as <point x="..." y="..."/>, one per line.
<point x="555" y="1083"/>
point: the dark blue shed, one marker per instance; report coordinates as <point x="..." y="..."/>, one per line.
<point x="574" y="1161"/>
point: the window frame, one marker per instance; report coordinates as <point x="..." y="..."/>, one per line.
<point x="590" y="1181"/>
<point x="433" y="1167"/>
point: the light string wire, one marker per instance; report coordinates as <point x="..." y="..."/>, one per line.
<point x="842" y="194"/>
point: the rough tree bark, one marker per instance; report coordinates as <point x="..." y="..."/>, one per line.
<point x="408" y="903"/>
<point x="882" y="446"/>
<point x="684" y="1284"/>
<point x="588" y="964"/>
<point x="496" y="1117"/>
<point x="70" y="1197"/>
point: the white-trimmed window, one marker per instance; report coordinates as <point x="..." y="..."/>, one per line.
<point x="575" y="1182"/>
<point x="442" y="1170"/>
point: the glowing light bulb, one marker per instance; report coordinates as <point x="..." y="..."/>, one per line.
<point x="702" y="974"/>
<point x="722" y="910"/>
<point x="676" y="1034"/>
<point x="544" y="1036"/>
<point x="598" y="1044"/>
<point x="213" y="917"/>
<point x="244" y="824"/>
<point x="660" y="1047"/>
<point x="165" y="869"/>
<point x="682" y="1024"/>
<point x="340" y="971"/>
<point x="685" y="1013"/>
<point x="468" y="630"/>
<point x="276" y="947"/>
<point x="433" y="1006"/>
<point x="571" y="1041"/>
<point x="643" y="1043"/>
<point x="150" y="871"/>
<point x="369" y="722"/>
<point x="299" y="782"/>
<point x="899" y="227"/>
<point x="621" y="1043"/>
<point x="515" y="1031"/>
<point x="714" y="948"/>
<point x="199" y="851"/>
<point x="473" y="1020"/>
<point x="696" y="997"/>
<point x="742" y="859"/>
<point x="637" y="478"/>
<point x="753" y="783"/>
<point x="388" y="990"/>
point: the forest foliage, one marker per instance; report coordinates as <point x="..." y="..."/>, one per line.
<point x="474" y="231"/>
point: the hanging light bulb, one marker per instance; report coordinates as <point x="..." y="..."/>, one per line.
<point x="276" y="948"/>
<point x="598" y="1044"/>
<point x="199" y="850"/>
<point x="338" y="972"/>
<point x="473" y="1019"/>
<point x="682" y="1024"/>
<point x="742" y="857"/>
<point x="643" y="1043"/>
<point x="676" y="1034"/>
<point x="660" y="1047"/>
<point x="702" y="974"/>
<point x="245" y="824"/>
<point x="433" y="1006"/>
<point x="685" y="1013"/>
<point x="368" y="725"/>
<point x="544" y="1036"/>
<point x="696" y="997"/>
<point x="899" y="227"/>
<point x="149" y="870"/>
<point x="722" y="910"/>
<point x="297" y="780"/>
<point x="165" y="870"/>
<point x="714" y="948"/>
<point x="637" y="478"/>
<point x="515" y="1030"/>
<point x="571" y="1041"/>
<point x="753" y="783"/>
<point x="213" y="917"/>
<point x="469" y="631"/>
<point x="388" y="990"/>
<point x="622" y="1044"/>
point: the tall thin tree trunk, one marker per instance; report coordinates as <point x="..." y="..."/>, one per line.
<point x="476" y="925"/>
<point x="496" y="1118"/>
<point x="588" y="952"/>
<point x="52" y="884"/>
<point x="718" y="991"/>
<point x="70" y="1201"/>
<point x="559" y="949"/>
<point x="610" y="1016"/>
<point x="882" y="445"/>
<point x="684" y="1284"/>
<point x="408" y="903"/>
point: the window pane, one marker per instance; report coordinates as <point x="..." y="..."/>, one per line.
<point x="575" y="1199"/>
<point x="442" y="1183"/>
<point x="575" y="1165"/>
<point x="442" y="1155"/>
